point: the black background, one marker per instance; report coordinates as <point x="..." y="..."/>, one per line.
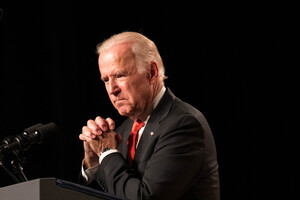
<point x="232" y="62"/>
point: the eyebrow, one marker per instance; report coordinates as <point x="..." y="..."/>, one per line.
<point x="114" y="74"/>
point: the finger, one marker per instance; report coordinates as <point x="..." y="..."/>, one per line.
<point x="111" y="123"/>
<point x="84" y="138"/>
<point x="102" y="123"/>
<point x="92" y="125"/>
<point x="86" y="132"/>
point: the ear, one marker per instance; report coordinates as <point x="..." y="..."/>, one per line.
<point x="153" y="74"/>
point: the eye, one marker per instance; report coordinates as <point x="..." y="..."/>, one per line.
<point x="120" y="75"/>
<point x="105" y="79"/>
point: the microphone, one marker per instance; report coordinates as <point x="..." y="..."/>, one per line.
<point x="31" y="135"/>
<point x="12" y="147"/>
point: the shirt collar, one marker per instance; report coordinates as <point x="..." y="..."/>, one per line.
<point x="157" y="100"/>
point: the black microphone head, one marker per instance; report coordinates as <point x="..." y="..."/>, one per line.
<point x="29" y="137"/>
<point x="46" y="131"/>
<point x="31" y="129"/>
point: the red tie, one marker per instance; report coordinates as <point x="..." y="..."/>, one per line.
<point x="133" y="138"/>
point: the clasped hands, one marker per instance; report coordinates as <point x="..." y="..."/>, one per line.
<point x="97" y="135"/>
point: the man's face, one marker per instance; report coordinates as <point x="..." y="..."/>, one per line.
<point x="128" y="90"/>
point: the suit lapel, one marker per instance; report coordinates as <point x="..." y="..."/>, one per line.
<point x="124" y="130"/>
<point x="147" y="136"/>
<point x="158" y="114"/>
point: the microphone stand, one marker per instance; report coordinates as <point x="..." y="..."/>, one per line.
<point x="11" y="163"/>
<point x="11" y="152"/>
<point x="18" y="170"/>
<point x="9" y="173"/>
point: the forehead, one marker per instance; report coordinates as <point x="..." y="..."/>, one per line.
<point x="119" y="57"/>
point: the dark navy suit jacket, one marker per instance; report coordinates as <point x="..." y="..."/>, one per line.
<point x="175" y="158"/>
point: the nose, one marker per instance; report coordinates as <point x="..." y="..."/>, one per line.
<point x="113" y="88"/>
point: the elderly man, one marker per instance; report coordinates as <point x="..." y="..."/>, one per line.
<point x="165" y="149"/>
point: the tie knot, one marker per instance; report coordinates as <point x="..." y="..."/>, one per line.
<point x="137" y="125"/>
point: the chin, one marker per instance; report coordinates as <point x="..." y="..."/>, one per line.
<point x="124" y="112"/>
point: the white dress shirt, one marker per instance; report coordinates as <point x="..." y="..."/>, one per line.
<point x="89" y="174"/>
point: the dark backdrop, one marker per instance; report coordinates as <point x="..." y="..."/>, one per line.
<point x="232" y="62"/>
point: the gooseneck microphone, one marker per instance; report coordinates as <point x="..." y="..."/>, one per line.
<point x="12" y="148"/>
<point x="34" y="134"/>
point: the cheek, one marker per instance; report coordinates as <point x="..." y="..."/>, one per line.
<point x="135" y="92"/>
<point x="141" y="97"/>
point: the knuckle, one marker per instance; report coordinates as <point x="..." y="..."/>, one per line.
<point x="89" y="122"/>
<point x="98" y="119"/>
<point x="110" y="120"/>
<point x="85" y="130"/>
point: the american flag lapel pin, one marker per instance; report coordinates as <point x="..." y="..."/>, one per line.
<point x="151" y="133"/>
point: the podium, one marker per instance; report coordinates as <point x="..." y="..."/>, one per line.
<point x="52" y="189"/>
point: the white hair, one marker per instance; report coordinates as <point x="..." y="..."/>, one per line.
<point x="144" y="49"/>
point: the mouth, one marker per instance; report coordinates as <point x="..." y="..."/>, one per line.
<point x="119" y="101"/>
